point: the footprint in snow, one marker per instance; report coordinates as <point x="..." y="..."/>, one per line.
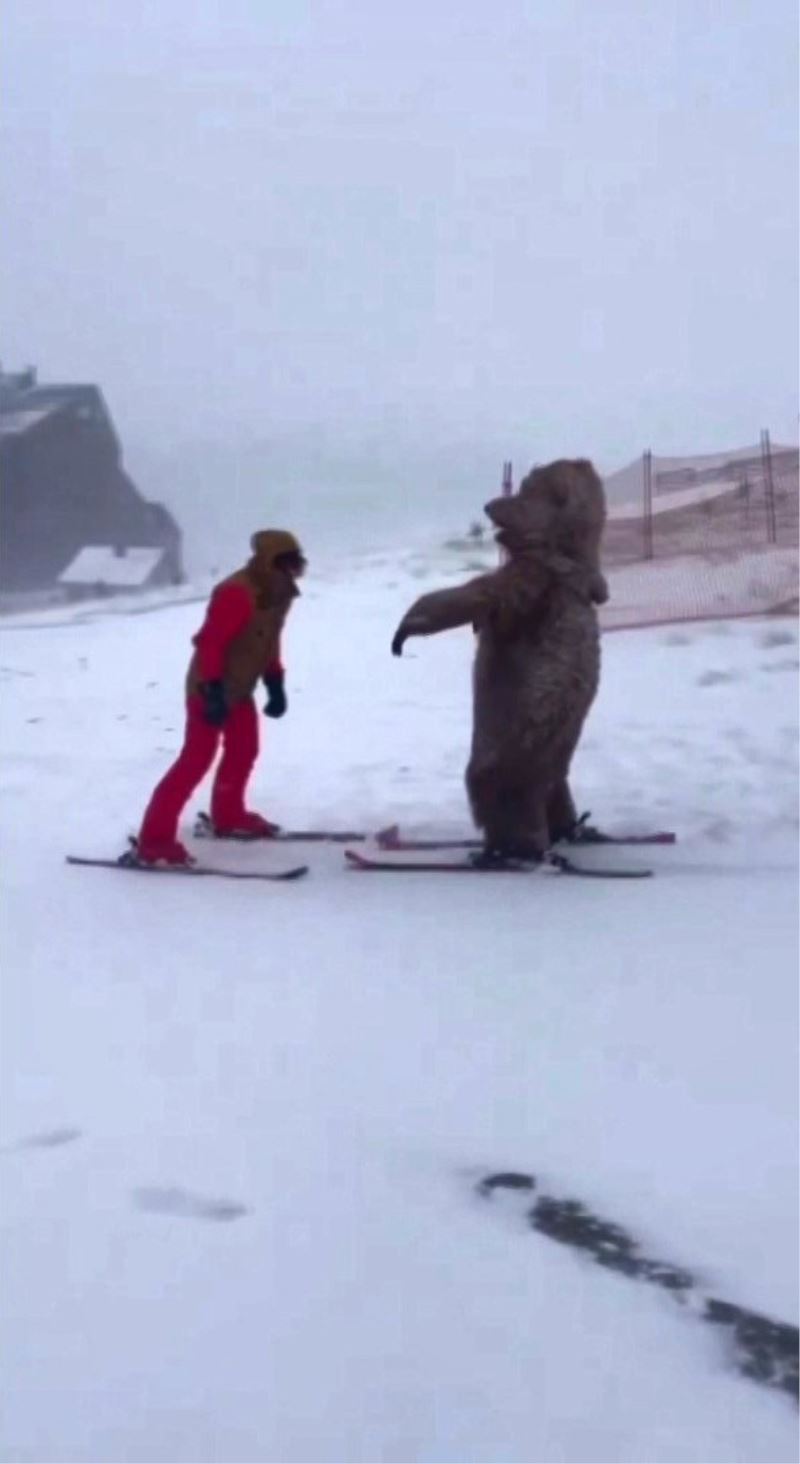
<point x="761" y="1348"/>
<point x="717" y="678"/>
<point x="47" y="1139"/>
<point x="173" y="1201"/>
<point x="778" y="638"/>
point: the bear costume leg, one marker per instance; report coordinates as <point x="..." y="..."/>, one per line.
<point x="510" y="812"/>
<point x="562" y="814"/>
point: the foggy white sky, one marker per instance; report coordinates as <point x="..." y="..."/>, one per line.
<point x="570" y="224"/>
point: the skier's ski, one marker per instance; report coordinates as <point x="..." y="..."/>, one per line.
<point x="204" y="829"/>
<point x="189" y="871"/>
<point x="391" y="840"/>
<point x="557" y="864"/>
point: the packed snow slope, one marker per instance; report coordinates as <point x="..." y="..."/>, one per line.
<point x="241" y="1123"/>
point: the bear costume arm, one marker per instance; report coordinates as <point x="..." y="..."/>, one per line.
<point x="445" y="610"/>
<point x="502" y="596"/>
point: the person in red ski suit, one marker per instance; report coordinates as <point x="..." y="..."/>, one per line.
<point x="238" y="644"/>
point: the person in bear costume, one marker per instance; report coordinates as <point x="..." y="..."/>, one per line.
<point x="537" y="665"/>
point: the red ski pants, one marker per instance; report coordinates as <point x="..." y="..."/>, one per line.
<point x="239" y="737"/>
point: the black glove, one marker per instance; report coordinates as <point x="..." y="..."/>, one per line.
<point x="397" y="643"/>
<point x="215" y="703"/>
<point x="276" y="699"/>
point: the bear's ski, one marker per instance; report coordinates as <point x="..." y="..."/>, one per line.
<point x="391" y="839"/>
<point x="554" y="864"/>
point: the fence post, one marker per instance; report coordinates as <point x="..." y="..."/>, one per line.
<point x="647" y="469"/>
<point x="507" y="489"/>
<point x="769" y="487"/>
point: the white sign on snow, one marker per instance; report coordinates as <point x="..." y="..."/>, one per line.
<point x="100" y="564"/>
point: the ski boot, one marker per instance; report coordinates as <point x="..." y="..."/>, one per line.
<point x="158" y="851"/>
<point x="248" y="827"/>
<point x="580" y="832"/>
<point x="515" y="854"/>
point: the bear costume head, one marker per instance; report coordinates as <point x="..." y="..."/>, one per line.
<point x="558" y="512"/>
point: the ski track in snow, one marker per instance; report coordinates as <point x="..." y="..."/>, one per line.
<point x="324" y="1064"/>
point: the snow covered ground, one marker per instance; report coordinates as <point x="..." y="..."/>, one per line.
<point x="241" y="1124"/>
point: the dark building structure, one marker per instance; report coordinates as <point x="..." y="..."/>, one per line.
<point x="64" y="488"/>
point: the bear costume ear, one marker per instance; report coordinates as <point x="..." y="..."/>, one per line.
<point x="555" y="481"/>
<point x="571" y="485"/>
